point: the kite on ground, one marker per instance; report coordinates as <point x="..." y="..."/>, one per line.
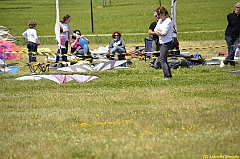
<point x="9" y="50"/>
<point x="5" y="34"/>
<point x="103" y="65"/>
<point x="60" y="78"/>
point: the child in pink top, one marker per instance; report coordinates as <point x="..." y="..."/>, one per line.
<point x="63" y="39"/>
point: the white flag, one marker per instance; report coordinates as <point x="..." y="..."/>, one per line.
<point x="57" y="24"/>
<point x="173" y="10"/>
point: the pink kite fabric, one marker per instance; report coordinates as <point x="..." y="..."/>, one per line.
<point x="60" y="78"/>
<point x="9" y="50"/>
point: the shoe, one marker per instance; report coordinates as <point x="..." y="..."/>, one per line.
<point x="166" y="78"/>
<point x="76" y="51"/>
<point x="232" y="63"/>
<point x="222" y="64"/>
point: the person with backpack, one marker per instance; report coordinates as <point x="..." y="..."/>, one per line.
<point x="79" y="44"/>
<point x="164" y="29"/>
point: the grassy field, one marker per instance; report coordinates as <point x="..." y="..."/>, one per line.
<point x="126" y="113"/>
<point x="129" y="113"/>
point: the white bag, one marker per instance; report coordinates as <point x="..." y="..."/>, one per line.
<point x="237" y="52"/>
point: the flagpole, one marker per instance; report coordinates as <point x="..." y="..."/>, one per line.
<point x="173" y="10"/>
<point x="91" y="15"/>
<point x="57" y="26"/>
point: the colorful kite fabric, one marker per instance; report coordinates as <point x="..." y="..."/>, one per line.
<point x="60" y="78"/>
<point x="104" y="65"/>
<point x="9" y="50"/>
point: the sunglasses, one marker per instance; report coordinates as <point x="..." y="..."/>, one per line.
<point x="116" y="35"/>
<point x="156" y="16"/>
<point x="237" y="7"/>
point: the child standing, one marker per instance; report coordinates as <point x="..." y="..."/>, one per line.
<point x="31" y="35"/>
<point x="62" y="46"/>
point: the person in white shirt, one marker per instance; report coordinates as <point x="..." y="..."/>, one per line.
<point x="67" y="31"/>
<point x="164" y="30"/>
<point x="33" y="42"/>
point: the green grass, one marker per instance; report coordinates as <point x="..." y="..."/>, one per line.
<point x="126" y="113"/>
<point x="123" y="117"/>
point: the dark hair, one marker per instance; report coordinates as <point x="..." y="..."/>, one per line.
<point x="74" y="37"/>
<point x="113" y="34"/>
<point x="61" y="30"/>
<point x="65" y="18"/>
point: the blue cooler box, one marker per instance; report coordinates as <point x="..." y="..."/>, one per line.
<point x="13" y="69"/>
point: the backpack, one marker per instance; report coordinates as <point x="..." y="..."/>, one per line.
<point x="173" y="63"/>
<point x="196" y="60"/>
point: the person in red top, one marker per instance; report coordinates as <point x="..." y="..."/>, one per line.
<point x="79" y="44"/>
<point x="62" y="47"/>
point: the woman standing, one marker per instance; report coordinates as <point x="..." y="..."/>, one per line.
<point x="67" y="31"/>
<point x="164" y="30"/>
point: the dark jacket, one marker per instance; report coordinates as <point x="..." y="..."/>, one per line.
<point x="233" y="27"/>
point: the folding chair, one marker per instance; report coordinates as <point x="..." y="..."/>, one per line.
<point x="175" y="47"/>
<point x="37" y="67"/>
<point x="148" y="49"/>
